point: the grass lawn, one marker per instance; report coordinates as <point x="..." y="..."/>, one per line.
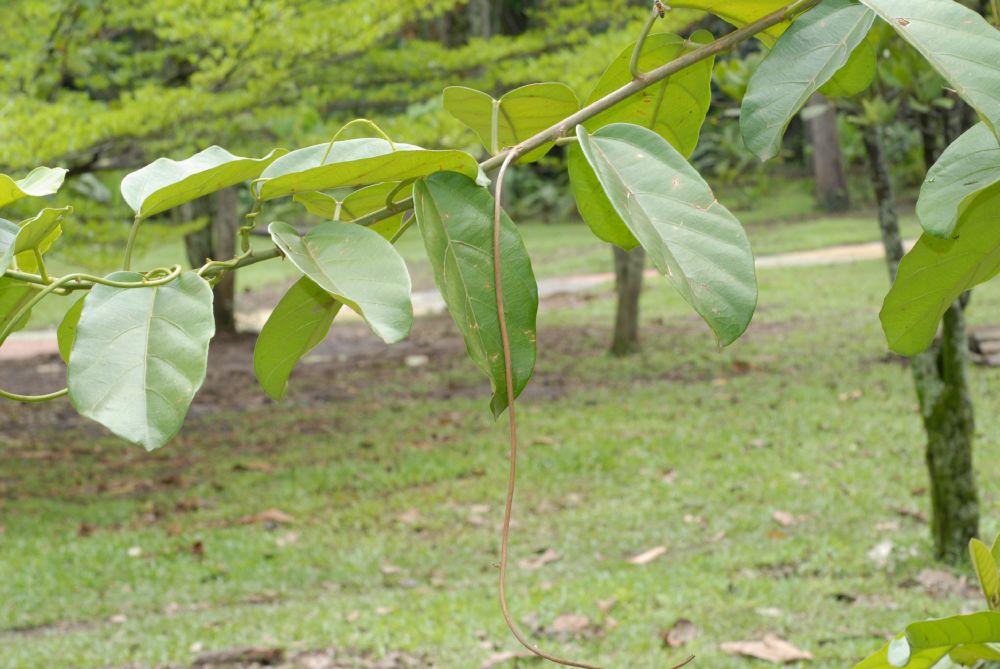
<point x="110" y="556"/>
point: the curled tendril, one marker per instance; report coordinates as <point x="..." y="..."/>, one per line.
<point x="156" y="277"/>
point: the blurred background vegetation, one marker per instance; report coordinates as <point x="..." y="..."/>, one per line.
<point x="104" y="88"/>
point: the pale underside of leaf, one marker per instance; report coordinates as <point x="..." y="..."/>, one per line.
<point x="968" y="166"/>
<point x="807" y="56"/>
<point x="357" y="267"/>
<point x="692" y="238"/>
<point x="958" y="42"/>
<point x="140" y="355"/>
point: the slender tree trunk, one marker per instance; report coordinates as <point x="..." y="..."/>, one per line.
<point x="480" y="14"/>
<point x="832" y="193"/>
<point x="942" y="388"/>
<point x="629" y="266"/>
<point x="217" y="241"/>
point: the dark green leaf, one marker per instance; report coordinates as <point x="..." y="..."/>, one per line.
<point x="958" y="42"/>
<point x="140" y="356"/>
<point x="40" y="182"/>
<point x="688" y="234"/>
<point x="297" y="325"/>
<point x="356" y="266"/>
<point x="983" y="627"/>
<point x="595" y="208"/>
<point x="356" y="162"/>
<point x="936" y="271"/>
<point x="456" y="220"/>
<point x="516" y="116"/>
<point x="808" y="55"/>
<point x="675" y="108"/>
<point x="66" y="334"/>
<point x="970" y="165"/>
<point x="165" y="183"/>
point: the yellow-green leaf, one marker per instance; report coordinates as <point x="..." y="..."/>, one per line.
<point x="516" y="116"/>
<point x="674" y="108"/>
<point x="40" y="182"/>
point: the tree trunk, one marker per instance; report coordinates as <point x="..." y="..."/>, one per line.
<point x="832" y="193"/>
<point x="629" y="266"/>
<point x="217" y="241"/>
<point x="942" y="388"/>
<point x="480" y="18"/>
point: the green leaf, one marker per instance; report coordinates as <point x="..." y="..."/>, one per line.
<point x="995" y="550"/>
<point x="356" y="266"/>
<point x="38" y="233"/>
<point x="516" y="116"/>
<point x="808" y="55"/>
<point x="40" y="182"/>
<point x="937" y="271"/>
<point x="66" y="333"/>
<point x="674" y="108"/>
<point x="982" y="627"/>
<point x="455" y="217"/>
<point x="8" y="236"/>
<point x="165" y="183"/>
<point x="958" y="42"/>
<point x="356" y="162"/>
<point x="919" y="659"/>
<point x="690" y="237"/>
<point x="13" y="296"/>
<point x="970" y="165"/>
<point x="356" y="205"/>
<point x="857" y="75"/>
<point x="986" y="572"/>
<point x="594" y="206"/>
<point x="974" y="653"/>
<point x="297" y="325"/>
<point x="140" y="356"/>
<point x="740" y="12"/>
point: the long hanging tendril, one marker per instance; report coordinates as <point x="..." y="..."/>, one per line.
<point x="512" y="417"/>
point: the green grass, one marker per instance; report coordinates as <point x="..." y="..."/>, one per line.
<point x="768" y="424"/>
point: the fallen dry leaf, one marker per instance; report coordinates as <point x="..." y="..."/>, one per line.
<point x="287" y="539"/>
<point x="606" y="605"/>
<point x="648" y="556"/>
<point x="548" y="556"/>
<point x="242" y="656"/>
<point x="391" y="569"/>
<point x="269" y="517"/>
<point x="880" y="553"/>
<point x="570" y="624"/>
<point x="941" y="584"/>
<point x="409" y="517"/>
<point x="502" y="658"/>
<point x="772" y="649"/>
<point x="681" y="633"/>
<point x="783" y="518"/>
<point x="914" y="514"/>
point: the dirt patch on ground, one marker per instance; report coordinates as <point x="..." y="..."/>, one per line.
<point x="278" y="658"/>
